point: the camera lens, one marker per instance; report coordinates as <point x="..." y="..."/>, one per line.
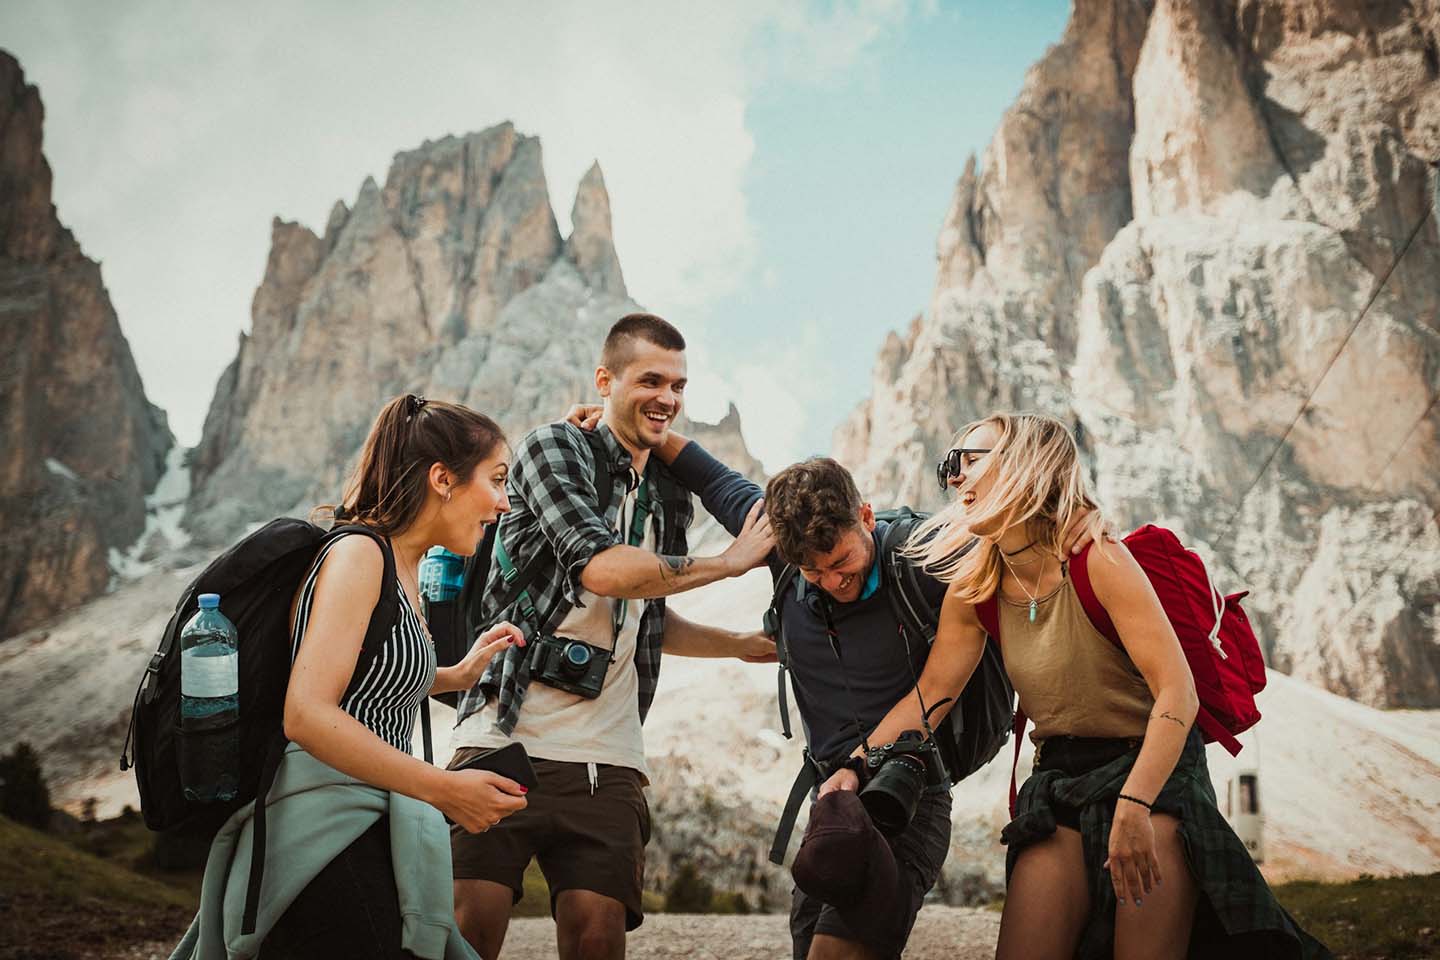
<point x="893" y="793"/>
<point x="574" y="658"/>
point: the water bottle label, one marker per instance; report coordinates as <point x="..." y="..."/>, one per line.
<point x="209" y="676"/>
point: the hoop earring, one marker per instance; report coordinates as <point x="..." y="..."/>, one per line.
<point x="447" y="496"/>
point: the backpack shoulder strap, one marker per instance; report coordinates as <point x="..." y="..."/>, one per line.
<point x="988" y="610"/>
<point x="1094" y="609"/>
<point x="604" y="479"/>
<point x="774" y="627"/>
<point x="382" y="618"/>
<point x="672" y="497"/>
<point x="908" y="601"/>
<point x="477" y="572"/>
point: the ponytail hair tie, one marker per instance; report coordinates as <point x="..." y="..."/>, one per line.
<point x="413" y="404"/>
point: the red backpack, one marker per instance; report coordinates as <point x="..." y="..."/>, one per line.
<point x="1216" y="636"/>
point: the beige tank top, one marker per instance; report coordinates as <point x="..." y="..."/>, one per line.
<point x="1071" y="680"/>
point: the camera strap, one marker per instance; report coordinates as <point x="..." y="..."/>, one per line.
<point x="827" y="609"/>
<point x="639" y="516"/>
<point x="520" y="595"/>
<point x="924" y="711"/>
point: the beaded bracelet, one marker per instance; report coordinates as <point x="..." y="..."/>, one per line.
<point x="1147" y="806"/>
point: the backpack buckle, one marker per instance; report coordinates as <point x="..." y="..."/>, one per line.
<point x="155" y="660"/>
<point x="770" y="623"/>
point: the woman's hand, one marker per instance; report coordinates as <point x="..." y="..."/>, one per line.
<point x="586" y="416"/>
<point x="842" y="779"/>
<point x="1133" y="867"/>
<point x="502" y="636"/>
<point x="478" y="799"/>
<point x="464" y="674"/>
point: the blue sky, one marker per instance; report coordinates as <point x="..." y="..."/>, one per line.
<point x="850" y="180"/>
<point x="778" y="173"/>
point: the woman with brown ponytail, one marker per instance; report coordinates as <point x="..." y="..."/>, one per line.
<point x="1116" y="847"/>
<point x="430" y="473"/>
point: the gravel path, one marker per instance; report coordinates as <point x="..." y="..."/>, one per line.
<point x="951" y="933"/>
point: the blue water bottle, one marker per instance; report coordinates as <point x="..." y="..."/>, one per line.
<point x="442" y="574"/>
<point x="209" y="704"/>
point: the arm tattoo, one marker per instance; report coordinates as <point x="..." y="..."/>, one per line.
<point x="1167" y="715"/>
<point x="673" y="567"/>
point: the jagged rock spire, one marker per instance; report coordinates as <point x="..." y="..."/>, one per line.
<point x="591" y="246"/>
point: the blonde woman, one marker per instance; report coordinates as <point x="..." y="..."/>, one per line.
<point x="1117" y="847"/>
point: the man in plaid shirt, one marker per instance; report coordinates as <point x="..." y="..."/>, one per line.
<point x="602" y="577"/>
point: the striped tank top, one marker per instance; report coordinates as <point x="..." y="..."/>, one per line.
<point x="389" y="694"/>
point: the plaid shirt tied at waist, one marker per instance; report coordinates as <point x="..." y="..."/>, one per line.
<point x="1239" y="918"/>
<point x="553" y="510"/>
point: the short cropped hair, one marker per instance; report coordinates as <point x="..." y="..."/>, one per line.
<point x="619" y="347"/>
<point x="811" y="505"/>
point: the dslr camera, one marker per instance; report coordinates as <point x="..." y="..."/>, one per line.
<point x="899" y="774"/>
<point x="571" y="665"/>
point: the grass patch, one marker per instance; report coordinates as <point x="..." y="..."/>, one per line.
<point x="536" y="901"/>
<point x="60" y="902"/>
<point x="1397" y="918"/>
<point x="1372" y="918"/>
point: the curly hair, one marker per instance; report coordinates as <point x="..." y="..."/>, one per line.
<point x="811" y="505"/>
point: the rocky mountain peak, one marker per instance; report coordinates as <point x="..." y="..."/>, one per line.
<point x="451" y="280"/>
<point x="83" y="446"/>
<point x="1167" y="244"/>
<point x="591" y="246"/>
<point x="27" y="225"/>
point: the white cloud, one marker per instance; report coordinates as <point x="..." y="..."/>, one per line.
<point x="176" y="131"/>
<point x="777" y="389"/>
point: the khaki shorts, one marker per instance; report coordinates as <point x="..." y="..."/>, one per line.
<point x="582" y="840"/>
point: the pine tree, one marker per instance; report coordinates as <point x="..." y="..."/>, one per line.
<point x="23" y="795"/>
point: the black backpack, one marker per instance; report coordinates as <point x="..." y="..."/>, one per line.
<point x="257" y="580"/>
<point x="454" y="624"/>
<point x="974" y="730"/>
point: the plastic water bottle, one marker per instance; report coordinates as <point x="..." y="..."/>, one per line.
<point x="442" y="574"/>
<point x="209" y="704"/>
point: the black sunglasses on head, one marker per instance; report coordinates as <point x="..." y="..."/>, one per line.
<point x="952" y="463"/>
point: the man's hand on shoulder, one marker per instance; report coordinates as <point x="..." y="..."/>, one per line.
<point x="1078" y="535"/>
<point x="753" y="546"/>
<point x="586" y="416"/>
<point x="757" y="648"/>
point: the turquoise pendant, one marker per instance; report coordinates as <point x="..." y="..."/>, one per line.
<point x="1033" y="605"/>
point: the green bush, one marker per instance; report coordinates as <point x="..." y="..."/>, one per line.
<point x="730" y="902"/>
<point x="24" y="797"/>
<point x="688" y="891"/>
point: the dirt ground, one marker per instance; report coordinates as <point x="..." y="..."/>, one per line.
<point x="951" y="933"/>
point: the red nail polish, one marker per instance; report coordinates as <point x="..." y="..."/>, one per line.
<point x="524" y="789"/>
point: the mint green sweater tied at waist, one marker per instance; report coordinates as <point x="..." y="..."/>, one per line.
<point x="315" y="812"/>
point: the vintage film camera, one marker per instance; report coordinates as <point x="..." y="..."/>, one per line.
<point x="571" y="665"/>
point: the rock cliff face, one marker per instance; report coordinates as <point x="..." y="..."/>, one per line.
<point x="452" y="281"/>
<point x="1167" y="244"/>
<point x="82" y="444"/>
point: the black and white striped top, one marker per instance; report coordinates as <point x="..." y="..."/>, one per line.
<point x="389" y="695"/>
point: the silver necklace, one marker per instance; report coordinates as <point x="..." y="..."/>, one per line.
<point x="1034" y="600"/>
